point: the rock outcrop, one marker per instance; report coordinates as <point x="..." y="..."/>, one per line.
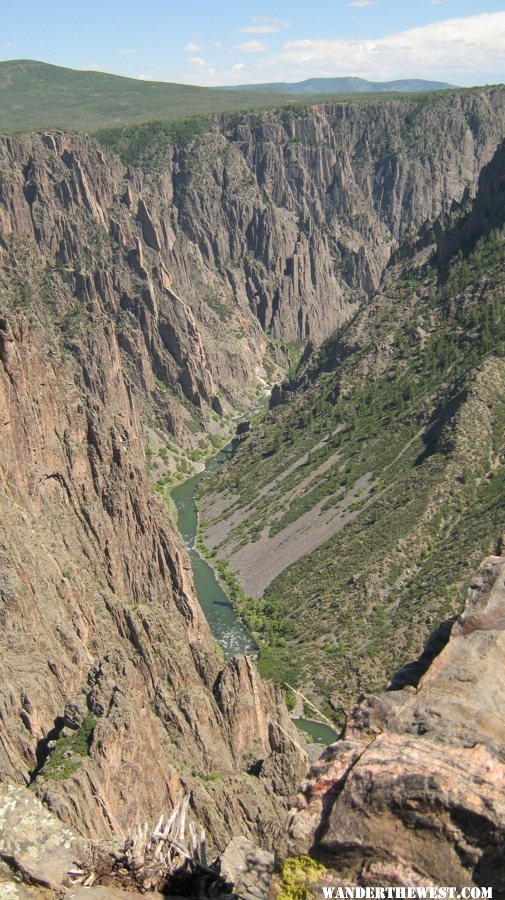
<point x="107" y="697"/>
<point x="34" y="846"/>
<point x="414" y="794"/>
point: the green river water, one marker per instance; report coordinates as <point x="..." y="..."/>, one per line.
<point x="228" y="632"/>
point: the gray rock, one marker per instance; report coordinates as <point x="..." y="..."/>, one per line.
<point x="35" y="843"/>
<point x="248" y="867"/>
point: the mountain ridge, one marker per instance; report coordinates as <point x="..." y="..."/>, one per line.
<point x="36" y="95"/>
<point x="343" y="85"/>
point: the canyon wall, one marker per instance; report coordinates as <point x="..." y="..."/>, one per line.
<point x="106" y="657"/>
<point x="133" y="301"/>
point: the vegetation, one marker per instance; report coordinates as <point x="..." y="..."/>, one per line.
<point x="406" y="448"/>
<point x="67" y="756"/>
<point x="148" y="142"/>
<point x="36" y="96"/>
<point x="298" y="873"/>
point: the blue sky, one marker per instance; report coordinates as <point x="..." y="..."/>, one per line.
<point x="225" y="42"/>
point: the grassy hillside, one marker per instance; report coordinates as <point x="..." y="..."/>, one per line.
<point x="35" y="95"/>
<point x="391" y="448"/>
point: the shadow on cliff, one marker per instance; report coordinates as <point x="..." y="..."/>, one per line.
<point x="412" y="672"/>
<point x="44" y="747"/>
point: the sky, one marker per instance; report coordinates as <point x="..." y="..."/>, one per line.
<point x="229" y="42"/>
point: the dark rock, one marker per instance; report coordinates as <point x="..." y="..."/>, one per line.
<point x="279" y="396"/>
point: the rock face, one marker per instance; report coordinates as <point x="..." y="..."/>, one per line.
<point x="274" y="224"/>
<point x="106" y="657"/>
<point x="484" y="214"/>
<point x="130" y="299"/>
<point x="310" y="204"/>
<point x="88" y="245"/>
<point x="415" y="793"/>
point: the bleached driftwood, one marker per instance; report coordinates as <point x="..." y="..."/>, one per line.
<point x="153" y="855"/>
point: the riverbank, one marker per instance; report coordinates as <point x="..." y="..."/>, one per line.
<point x="228" y="631"/>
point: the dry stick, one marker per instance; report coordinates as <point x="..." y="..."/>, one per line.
<point x="182" y="823"/>
<point x="194" y="842"/>
<point x="182" y="850"/>
<point x="308" y="702"/>
<point x="203" y="846"/>
<point x="160" y="828"/>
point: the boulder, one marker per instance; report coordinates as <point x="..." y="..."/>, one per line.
<point x="415" y="793"/>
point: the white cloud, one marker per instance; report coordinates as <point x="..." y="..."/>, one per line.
<point x="197" y="61"/>
<point x="264" y="25"/>
<point x="359" y="4"/>
<point x="217" y="44"/>
<point x="127" y="51"/>
<point x="251" y="47"/>
<point x="142" y="77"/>
<point x="192" y="48"/>
<point x="465" y="50"/>
<point x="8" y="44"/>
<point x="454" y="50"/>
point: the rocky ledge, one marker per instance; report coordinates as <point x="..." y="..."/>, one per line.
<point x="414" y="793"/>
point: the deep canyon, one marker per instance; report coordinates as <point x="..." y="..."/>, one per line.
<point x="146" y="300"/>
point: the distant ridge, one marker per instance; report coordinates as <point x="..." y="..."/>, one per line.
<point x="343" y="86"/>
<point x="35" y="96"/>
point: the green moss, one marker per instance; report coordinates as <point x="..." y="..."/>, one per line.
<point x="297" y="874"/>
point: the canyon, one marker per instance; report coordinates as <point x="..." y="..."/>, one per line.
<point x="149" y="290"/>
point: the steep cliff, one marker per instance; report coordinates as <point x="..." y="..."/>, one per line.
<point x="299" y="209"/>
<point x="355" y="514"/>
<point x="239" y="237"/>
<point x="414" y="793"/>
<point x="112" y="700"/>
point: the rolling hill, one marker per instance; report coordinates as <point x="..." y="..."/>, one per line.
<point x="36" y="95"/>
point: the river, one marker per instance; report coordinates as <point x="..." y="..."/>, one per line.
<point x="228" y="632"/>
<point x="220" y="614"/>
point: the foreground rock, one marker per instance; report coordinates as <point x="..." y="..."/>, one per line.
<point x="34" y="845"/>
<point x="40" y="857"/>
<point x="415" y="793"/>
<point x="248" y="868"/>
